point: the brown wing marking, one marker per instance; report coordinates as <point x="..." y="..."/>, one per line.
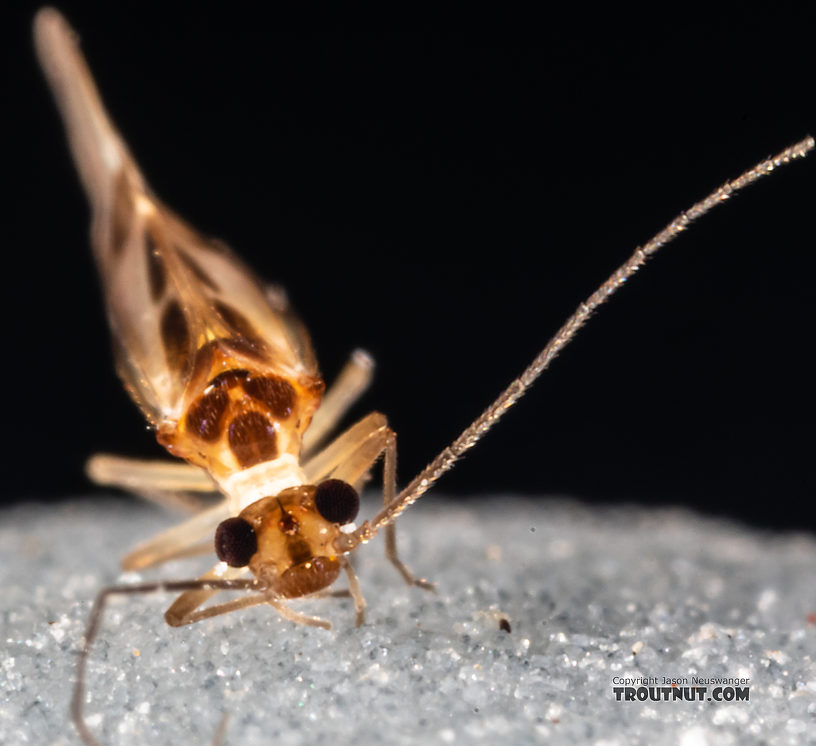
<point x="166" y="307"/>
<point x="182" y="308"/>
<point x="156" y="271"/>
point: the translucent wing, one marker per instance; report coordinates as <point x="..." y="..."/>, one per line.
<point x="176" y="300"/>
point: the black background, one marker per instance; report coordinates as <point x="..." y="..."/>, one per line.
<point x="445" y="200"/>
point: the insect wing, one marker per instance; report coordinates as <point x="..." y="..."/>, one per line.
<point x="169" y="290"/>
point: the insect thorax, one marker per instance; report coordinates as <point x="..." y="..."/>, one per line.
<point x="239" y="414"/>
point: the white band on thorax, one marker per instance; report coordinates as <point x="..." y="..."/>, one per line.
<point x="262" y="480"/>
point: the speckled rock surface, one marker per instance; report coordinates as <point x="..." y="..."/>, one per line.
<point x="597" y="599"/>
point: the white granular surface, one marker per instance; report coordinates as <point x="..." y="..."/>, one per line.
<point x="591" y="594"/>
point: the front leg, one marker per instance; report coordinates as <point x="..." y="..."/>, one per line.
<point x="350" y="456"/>
<point x="185" y="609"/>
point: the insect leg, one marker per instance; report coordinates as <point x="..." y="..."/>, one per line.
<point x="163" y="482"/>
<point x="182" y="609"/>
<point x="218" y="609"/>
<point x="323" y="464"/>
<point x="350" y="456"/>
<point x="177" y="541"/>
<point x="136" y="475"/>
<point x="356" y="594"/>
<point x="185" y="609"/>
<point x="389" y="494"/>
<point x="353" y="380"/>
<point x="287" y="612"/>
<point x="220" y="737"/>
<point x="95" y="620"/>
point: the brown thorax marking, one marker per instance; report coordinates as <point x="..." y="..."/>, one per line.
<point x="237" y="415"/>
<point x="296" y="554"/>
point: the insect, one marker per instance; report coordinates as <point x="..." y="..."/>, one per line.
<point x="225" y="374"/>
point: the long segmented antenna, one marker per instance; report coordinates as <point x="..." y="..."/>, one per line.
<point x="470" y="436"/>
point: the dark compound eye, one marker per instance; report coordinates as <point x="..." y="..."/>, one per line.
<point x="235" y="542"/>
<point x="337" y="501"/>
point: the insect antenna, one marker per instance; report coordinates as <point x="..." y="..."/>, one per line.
<point x="95" y="620"/>
<point x="471" y="435"/>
